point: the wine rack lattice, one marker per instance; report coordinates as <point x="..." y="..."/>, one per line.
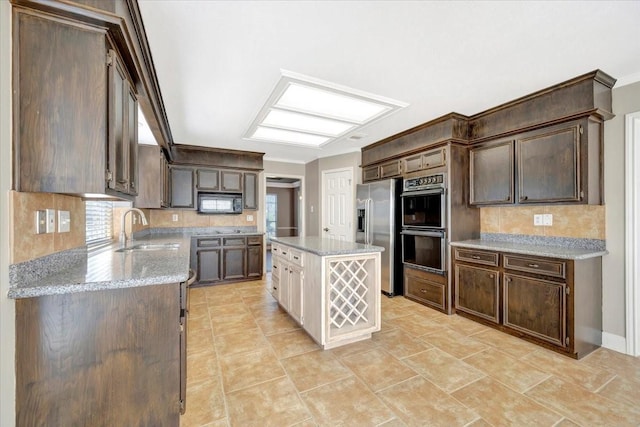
<point x="347" y="292"/>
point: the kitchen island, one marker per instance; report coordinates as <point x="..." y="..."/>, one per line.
<point x="330" y="287"/>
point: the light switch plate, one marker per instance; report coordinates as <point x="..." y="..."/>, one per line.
<point x="64" y="221"/>
<point x="51" y="220"/>
<point x="538" y="219"/>
<point x="547" y="220"/>
<point x="41" y="221"/>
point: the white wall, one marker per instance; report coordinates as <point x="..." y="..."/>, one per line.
<point x="626" y="99"/>
<point x="7" y="306"/>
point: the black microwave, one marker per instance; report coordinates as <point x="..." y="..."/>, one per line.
<point x="220" y="203"/>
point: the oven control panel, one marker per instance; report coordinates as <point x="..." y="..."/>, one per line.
<point x="424" y="182"/>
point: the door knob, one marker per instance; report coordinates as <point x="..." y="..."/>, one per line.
<point x="325" y="229"/>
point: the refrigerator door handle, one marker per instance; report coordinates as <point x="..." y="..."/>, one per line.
<point x="370" y="215"/>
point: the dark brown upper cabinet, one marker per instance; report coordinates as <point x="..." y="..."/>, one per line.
<point x="60" y="105"/>
<point x="491" y="173"/>
<point x="250" y="194"/>
<point x="208" y="179"/>
<point x="181" y="181"/>
<point x="150" y="185"/>
<point x="231" y="181"/>
<point x="555" y="164"/>
<point x="122" y="157"/>
<point x="549" y="165"/>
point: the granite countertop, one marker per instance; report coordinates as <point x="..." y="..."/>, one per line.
<point x="323" y="246"/>
<point x="108" y="269"/>
<point x="562" y="252"/>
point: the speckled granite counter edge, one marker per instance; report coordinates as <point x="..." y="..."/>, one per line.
<point x="565" y="242"/>
<point x="574" y="249"/>
<point x="334" y="252"/>
<point x="36" y="269"/>
<point x="196" y="231"/>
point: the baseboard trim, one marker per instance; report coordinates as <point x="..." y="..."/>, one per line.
<point x="614" y="342"/>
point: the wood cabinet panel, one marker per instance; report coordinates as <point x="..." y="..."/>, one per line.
<point x="209" y="265"/>
<point x="549" y="165"/>
<point x="60" y="106"/>
<point x="391" y="169"/>
<point x="250" y="193"/>
<point x="476" y="257"/>
<point x="254" y="261"/>
<point x="370" y="173"/>
<point x="233" y="263"/>
<point x="182" y="194"/>
<point x="426" y="288"/>
<point x="491" y="174"/>
<point x="477" y="291"/>
<point x="537" y="307"/>
<point x="231" y="181"/>
<point x="150" y="185"/>
<point x="107" y="357"/>
<point x="208" y="179"/>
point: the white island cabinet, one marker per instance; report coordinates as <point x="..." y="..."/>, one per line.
<point x="330" y="287"/>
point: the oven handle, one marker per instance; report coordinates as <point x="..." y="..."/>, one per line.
<point x="440" y="234"/>
<point x="439" y="190"/>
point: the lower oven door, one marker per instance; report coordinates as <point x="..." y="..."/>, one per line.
<point x="425" y="250"/>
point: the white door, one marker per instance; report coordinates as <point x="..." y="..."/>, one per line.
<point x="337" y="204"/>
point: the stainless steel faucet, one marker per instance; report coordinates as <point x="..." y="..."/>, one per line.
<point x="123" y="232"/>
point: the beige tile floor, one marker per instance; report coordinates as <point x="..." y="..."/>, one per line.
<point x="249" y="364"/>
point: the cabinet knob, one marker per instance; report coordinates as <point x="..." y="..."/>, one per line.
<point x="424" y="291"/>
<point x="507" y="198"/>
<point x="524" y="197"/>
<point x="534" y="265"/>
<point x="325" y="229"/>
<point x="475" y="256"/>
<point x="491" y="276"/>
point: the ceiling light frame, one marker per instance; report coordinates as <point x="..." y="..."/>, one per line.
<point x="324" y="90"/>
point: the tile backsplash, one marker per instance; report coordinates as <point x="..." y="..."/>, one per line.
<point x="163" y="218"/>
<point x="577" y="221"/>
<point x="24" y="243"/>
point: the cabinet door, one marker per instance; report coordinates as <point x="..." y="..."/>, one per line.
<point x="208" y="265"/>
<point x="165" y="181"/>
<point x="233" y="263"/>
<point x="433" y="159"/>
<point x="117" y="169"/>
<point x="390" y="169"/>
<point x="536" y="307"/>
<point x="150" y="177"/>
<point x="208" y="179"/>
<point x="60" y="106"/>
<point x="181" y="187"/>
<point x="370" y="173"/>
<point x="412" y="163"/>
<point x="231" y="181"/>
<point x="250" y="193"/>
<point x="254" y="261"/>
<point x="549" y="165"/>
<point x="296" y="283"/>
<point x="491" y="174"/>
<point x="477" y="291"/>
<point x="131" y="137"/>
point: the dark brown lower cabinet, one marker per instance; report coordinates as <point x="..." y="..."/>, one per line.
<point x="477" y="291"/>
<point x="555" y="303"/>
<point x="426" y="288"/>
<point x="110" y="357"/>
<point x="536" y="307"/>
<point x="225" y="259"/>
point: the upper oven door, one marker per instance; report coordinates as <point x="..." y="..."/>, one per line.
<point x="425" y="208"/>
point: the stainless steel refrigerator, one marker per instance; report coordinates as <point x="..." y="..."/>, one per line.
<point x="378" y="223"/>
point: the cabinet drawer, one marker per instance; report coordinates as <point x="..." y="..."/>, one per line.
<point x="209" y="242"/>
<point x="233" y="241"/>
<point x="424" y="290"/>
<point x="254" y="240"/>
<point x="433" y="159"/>
<point x="296" y="257"/>
<point x="476" y="257"/>
<point x="275" y="249"/>
<point x="536" y="265"/>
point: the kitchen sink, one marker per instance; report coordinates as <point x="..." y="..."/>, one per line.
<point x="150" y="247"/>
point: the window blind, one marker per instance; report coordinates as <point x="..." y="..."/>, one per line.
<point x="99" y="222"/>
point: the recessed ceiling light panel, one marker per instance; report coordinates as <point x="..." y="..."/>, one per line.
<point x="306" y="111"/>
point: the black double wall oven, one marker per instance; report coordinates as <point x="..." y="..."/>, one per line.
<point x="424" y="219"/>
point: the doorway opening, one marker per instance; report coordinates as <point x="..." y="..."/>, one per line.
<point x="283" y="210"/>
<point x="632" y="250"/>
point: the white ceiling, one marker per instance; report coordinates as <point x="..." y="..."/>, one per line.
<point x="218" y="61"/>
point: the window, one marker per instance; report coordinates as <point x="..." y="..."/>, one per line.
<point x="99" y="222"/>
<point x="272" y="215"/>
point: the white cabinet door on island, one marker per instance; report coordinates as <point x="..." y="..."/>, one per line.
<point x="330" y="287"/>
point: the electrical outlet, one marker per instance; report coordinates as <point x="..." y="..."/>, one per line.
<point x="174" y="217"/>
<point x="547" y="220"/>
<point x="41" y="221"/>
<point x="538" y="219"/>
<point x="249" y="218"/>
